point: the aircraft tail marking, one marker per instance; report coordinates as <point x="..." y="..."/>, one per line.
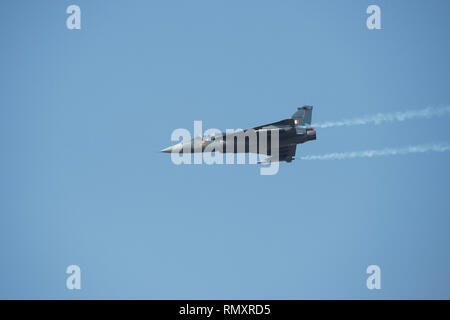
<point x="303" y="115"/>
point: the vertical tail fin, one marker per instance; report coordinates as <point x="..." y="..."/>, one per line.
<point x="303" y="115"/>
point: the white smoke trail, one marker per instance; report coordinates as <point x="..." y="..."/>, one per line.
<point x="380" y="118"/>
<point x="441" y="147"/>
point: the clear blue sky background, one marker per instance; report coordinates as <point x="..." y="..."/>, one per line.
<point x="83" y="115"/>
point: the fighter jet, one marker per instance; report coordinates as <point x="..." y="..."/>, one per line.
<point x="295" y="130"/>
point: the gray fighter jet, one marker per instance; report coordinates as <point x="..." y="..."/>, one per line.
<point x="295" y="130"/>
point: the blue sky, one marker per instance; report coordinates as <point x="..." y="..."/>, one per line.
<point x="85" y="112"/>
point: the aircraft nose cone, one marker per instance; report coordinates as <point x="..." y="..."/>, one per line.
<point x="167" y="150"/>
<point x="176" y="148"/>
